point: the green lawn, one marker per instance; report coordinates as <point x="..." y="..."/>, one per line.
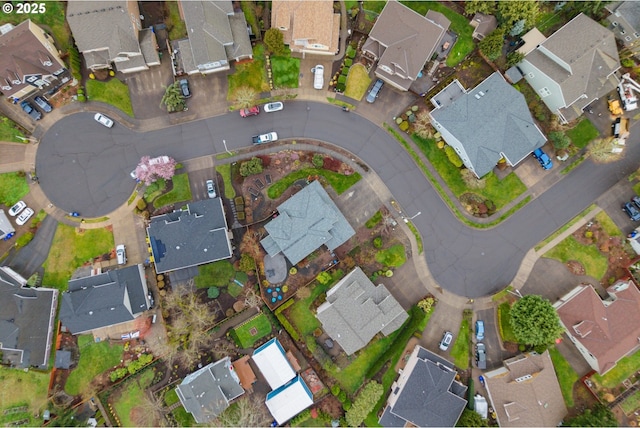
<point x="566" y="375"/>
<point x="245" y="337"/>
<point x="607" y="224"/>
<point x="234" y="289"/>
<point x="339" y="182"/>
<point x="501" y="192"/>
<point x="357" y="82"/>
<point x="112" y="92"/>
<point x="95" y="358"/>
<point x="300" y="314"/>
<point x="373" y="5"/>
<point x="9" y="130"/>
<point x="375" y="219"/>
<point x="183" y="418"/>
<point x="393" y="256"/>
<point x="217" y="274"/>
<point x="71" y="248"/>
<point x="623" y="369"/>
<point x="21" y="388"/>
<point x="594" y="262"/>
<point x="459" y="25"/>
<point x="564" y="227"/>
<point x="460" y="349"/>
<point x="225" y="171"/>
<point x="53" y="19"/>
<point x="631" y="403"/>
<point x="176" y="26"/>
<point x="251" y="74"/>
<point x="13" y="186"/>
<point x="154" y="190"/>
<point x="170" y="397"/>
<point x="548" y="21"/>
<point x="504" y="317"/>
<point x="582" y="133"/>
<point x="181" y="192"/>
<point x="130" y="397"/>
<point x="285" y="71"/>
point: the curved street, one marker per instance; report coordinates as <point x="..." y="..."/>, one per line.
<point x="85" y="167"/>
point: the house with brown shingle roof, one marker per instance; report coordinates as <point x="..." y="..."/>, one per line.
<point x="307" y="26"/>
<point x="525" y="392"/>
<point x="606" y="330"/>
<point x="483" y="25"/>
<point x="402" y="41"/>
<point x="573" y="67"/>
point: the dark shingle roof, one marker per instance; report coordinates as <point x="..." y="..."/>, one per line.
<point x="106" y="299"/>
<point x="306" y="221"/>
<point x="356" y="310"/>
<point x="190" y="237"/>
<point x="489" y="120"/>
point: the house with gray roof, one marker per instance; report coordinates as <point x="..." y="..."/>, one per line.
<point x="109" y="35"/>
<point x="624" y="22"/>
<point x="426" y="394"/>
<point x="104" y="300"/>
<point x="189" y="237"/>
<point x="356" y="310"/>
<point x="217" y="34"/>
<point x="305" y="222"/>
<point x="485" y="124"/>
<point x="402" y="41"/>
<point x="573" y="67"/>
<point x="208" y="391"/>
<point x="27" y="317"/>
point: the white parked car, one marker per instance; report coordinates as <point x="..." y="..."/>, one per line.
<point x="103" y="120"/>
<point x="265" y="138"/>
<point x="318" y="76"/>
<point x="15" y="210"/>
<point x="121" y="254"/>
<point x="24" y="217"/>
<point x="211" y="190"/>
<point x="275" y="106"/>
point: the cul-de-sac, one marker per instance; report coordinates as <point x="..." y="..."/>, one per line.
<point x="250" y="213"/>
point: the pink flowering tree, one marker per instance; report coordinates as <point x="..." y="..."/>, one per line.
<point x="151" y="169"/>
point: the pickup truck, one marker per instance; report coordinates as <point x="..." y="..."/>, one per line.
<point x="265" y="138"/>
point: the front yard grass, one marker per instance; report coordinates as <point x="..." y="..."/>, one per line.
<point x="243" y="334"/>
<point x="570" y="223"/>
<point x="583" y="133"/>
<point x="285" y="71"/>
<point x="9" y="130"/>
<point x="567" y="376"/>
<point x="71" y="248"/>
<point x="181" y="192"/>
<point x="607" y="224"/>
<point x="504" y="318"/>
<point x="501" y="192"/>
<point x="589" y="256"/>
<point x="112" y="92"/>
<point x="13" y="186"/>
<point x="130" y="397"/>
<point x="339" y="182"/>
<point x="623" y="369"/>
<point x="460" y="349"/>
<point x="393" y="256"/>
<point x="95" y="358"/>
<point x="358" y="81"/>
<point x="225" y="171"/>
<point x="22" y="388"/>
<point x="251" y="74"/>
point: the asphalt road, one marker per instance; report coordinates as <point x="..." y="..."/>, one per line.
<point x="85" y="167"/>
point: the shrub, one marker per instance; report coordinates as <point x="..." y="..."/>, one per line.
<point x="213" y="292"/>
<point x="335" y="390"/>
<point x="404" y="125"/>
<point x="342" y="396"/>
<point x="141" y="204"/>
<point x="247" y="263"/>
<point x="377" y="242"/>
<point x="324" y="278"/>
<point x="318" y="160"/>
<point x="351" y="52"/>
<point x="347" y="404"/>
<point x="365" y="402"/>
<point x="559" y="139"/>
<point x="292" y="271"/>
<point x="344" y="72"/>
<point x="453" y="156"/>
<point x="251" y="167"/>
<point x="348" y="62"/>
<point x="342" y="79"/>
<point x="627" y="63"/>
<point x="24" y="239"/>
<point x="340" y="87"/>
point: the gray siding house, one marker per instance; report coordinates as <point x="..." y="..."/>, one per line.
<point x="573" y="67"/>
<point x="487" y="123"/>
<point x="624" y="22"/>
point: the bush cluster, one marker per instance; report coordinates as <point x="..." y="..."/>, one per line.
<point x="453" y="156"/>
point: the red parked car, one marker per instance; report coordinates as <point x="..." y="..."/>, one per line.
<point x="251" y="111"/>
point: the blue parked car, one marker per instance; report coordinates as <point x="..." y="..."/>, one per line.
<point x="479" y="330"/>
<point x="543" y="158"/>
<point x="631" y="211"/>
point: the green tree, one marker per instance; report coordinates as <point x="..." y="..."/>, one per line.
<point x="251" y="167"/>
<point x="172" y="98"/>
<point x="364" y="403"/>
<point x="535" y="321"/>
<point x="274" y="40"/>
<point x="514" y="58"/>
<point x="510" y="12"/>
<point x="318" y="160"/>
<point x="598" y="416"/>
<point x="472" y="7"/>
<point x="246" y="263"/>
<point x="559" y="139"/>
<point x="213" y="292"/>
<point x="491" y="46"/>
<point x="469" y="418"/>
<point x="591" y="8"/>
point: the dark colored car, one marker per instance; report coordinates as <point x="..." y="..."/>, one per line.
<point x="43" y="104"/>
<point x="375" y="91"/>
<point x="31" y="110"/>
<point x="636" y="201"/>
<point x="631" y="211"/>
<point x="481" y="356"/>
<point x="543" y="158"/>
<point x="251" y="111"/>
<point x="184" y="88"/>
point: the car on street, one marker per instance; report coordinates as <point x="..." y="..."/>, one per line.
<point x="24" y="217"/>
<point x="271" y="107"/>
<point x="121" y="254"/>
<point x="318" y="76"/>
<point x="103" y="120"/>
<point x="375" y="91"/>
<point x="251" y="111"/>
<point x="211" y="190"/>
<point x="479" y="330"/>
<point x="31" y="110"/>
<point x="16" y="208"/>
<point x="43" y="104"/>
<point x="631" y="211"/>
<point x="446" y="340"/>
<point x="269" y="137"/>
<point x="543" y="159"/>
<point x="184" y="88"/>
<point x="481" y="356"/>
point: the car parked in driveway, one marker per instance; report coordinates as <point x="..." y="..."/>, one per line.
<point x="481" y="356"/>
<point x="43" y="104"/>
<point x="446" y="341"/>
<point x="121" y="254"/>
<point x="211" y="190"/>
<point x="103" y="120"/>
<point x="479" y="330"/>
<point x="318" y="76"/>
<point x="631" y="211"/>
<point x="271" y="107"/>
<point x="542" y="158"/>
<point x="24" y="217"/>
<point x="375" y="91"/>
<point x="265" y="138"/>
<point x="251" y="111"/>
<point x="636" y="201"/>
<point x="17" y="208"/>
<point x="31" y="110"/>
<point x="184" y="88"/>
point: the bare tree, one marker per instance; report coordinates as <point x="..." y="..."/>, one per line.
<point x="150" y="411"/>
<point x="603" y="150"/>
<point x="422" y="125"/>
<point x="252" y="299"/>
<point x="244" y="97"/>
<point x="247" y="411"/>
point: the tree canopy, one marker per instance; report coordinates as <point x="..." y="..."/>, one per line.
<point x="274" y="39"/>
<point x="510" y="12"/>
<point x="364" y="403"/>
<point x="491" y="46"/>
<point x="488" y="7"/>
<point x="173" y="98"/>
<point x="535" y="321"/>
<point x="470" y="418"/>
<point x="599" y="416"/>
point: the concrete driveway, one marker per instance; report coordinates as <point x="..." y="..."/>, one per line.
<point x="551" y="279"/>
<point x="495" y="352"/>
<point x="306" y="75"/>
<point x="444" y="318"/>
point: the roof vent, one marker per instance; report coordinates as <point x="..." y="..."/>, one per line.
<point x="523" y="378"/>
<point x="90" y="312"/>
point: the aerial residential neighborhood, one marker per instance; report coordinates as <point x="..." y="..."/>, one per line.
<point x="319" y="213"/>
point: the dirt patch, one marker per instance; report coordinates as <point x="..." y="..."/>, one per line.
<point x="575" y="267"/>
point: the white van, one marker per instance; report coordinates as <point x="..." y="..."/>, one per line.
<point x="121" y="254"/>
<point x="318" y="76"/>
